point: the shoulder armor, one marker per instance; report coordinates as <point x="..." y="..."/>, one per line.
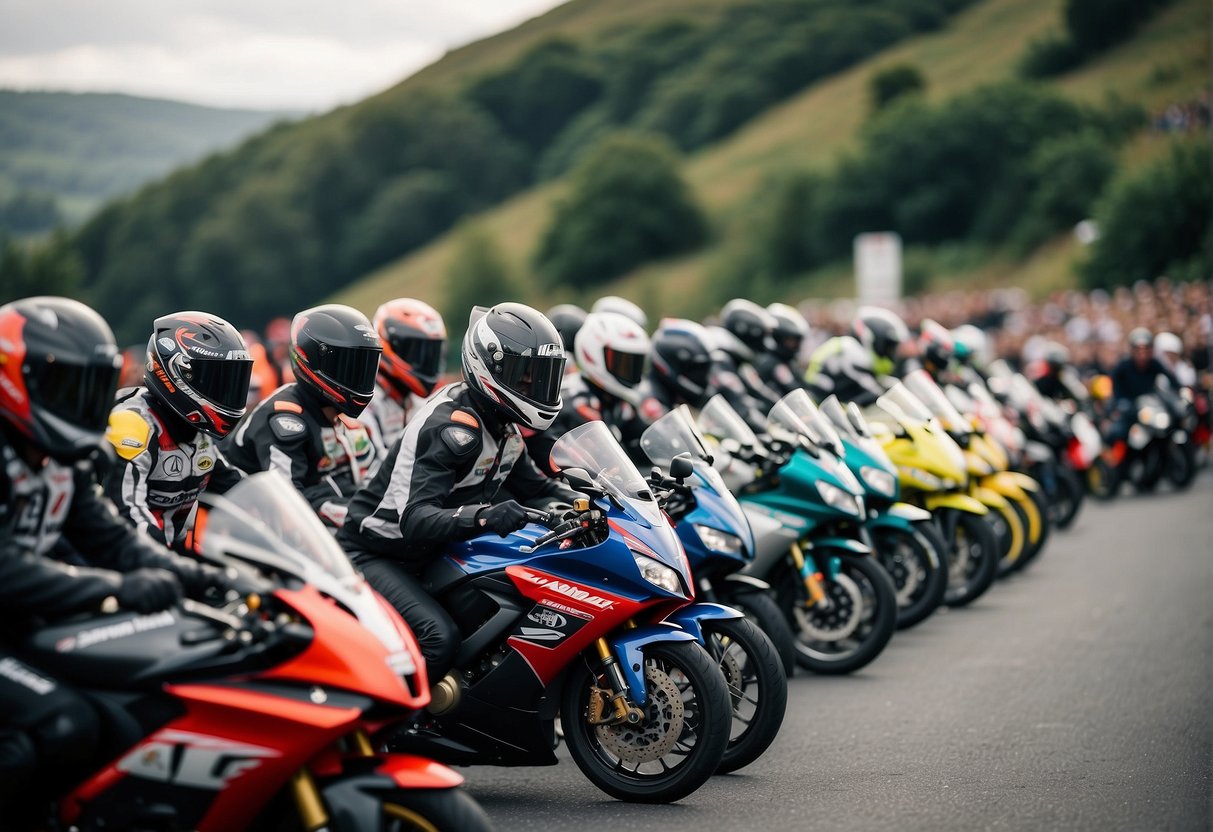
<point x="129" y="433"/>
<point x="461" y="441"/>
<point x="287" y="427"/>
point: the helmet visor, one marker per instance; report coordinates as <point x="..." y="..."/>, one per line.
<point x="221" y="382"/>
<point x="80" y="395"/>
<point x="537" y="378"/>
<point x="353" y="368"/>
<point x="424" y="355"/>
<point x="628" y="367"/>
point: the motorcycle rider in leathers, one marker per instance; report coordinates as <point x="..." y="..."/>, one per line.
<point x="166" y="433"/>
<point x="308" y="430"/>
<point x="460" y="469"/>
<point x="848" y="366"/>
<point x="776" y="365"/>
<point x="58" y="373"/>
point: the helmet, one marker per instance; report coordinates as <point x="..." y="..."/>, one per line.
<point x="58" y="374"/>
<point x="1168" y="342"/>
<point x="199" y="366"/>
<point x="880" y="330"/>
<point x="969" y="344"/>
<point x="790" y="332"/>
<point x="1056" y="355"/>
<point x="682" y="358"/>
<point x="727" y="346"/>
<point x="514" y="359"/>
<point x="414" y="341"/>
<point x="335" y="355"/>
<point x="611" y="353"/>
<point x="568" y="318"/>
<point x="935" y="344"/>
<point x="1140" y="337"/>
<point x="748" y="321"/>
<point x="614" y="303"/>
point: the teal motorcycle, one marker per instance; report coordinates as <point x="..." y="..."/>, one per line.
<point x="807" y="512"/>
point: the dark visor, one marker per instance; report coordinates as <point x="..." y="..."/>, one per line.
<point x="424" y="355"/>
<point x="82" y="396"/>
<point x="220" y="381"/>
<point x="353" y="368"/>
<point x="537" y="378"/>
<point x="698" y="369"/>
<point x="628" y="367"/>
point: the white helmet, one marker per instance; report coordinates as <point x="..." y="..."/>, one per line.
<point x="623" y="306"/>
<point x="611" y="351"/>
<point x="1168" y="342"/>
<point x="971" y="344"/>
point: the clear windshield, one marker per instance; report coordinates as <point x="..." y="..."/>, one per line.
<point x="264" y="514"/>
<point x="800" y="403"/>
<point x="901" y="404"/>
<point x="718" y="419"/>
<point x="932" y="396"/>
<point x="673" y="434"/>
<point x="593" y="447"/>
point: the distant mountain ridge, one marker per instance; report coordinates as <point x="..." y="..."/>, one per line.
<point x="83" y="149"/>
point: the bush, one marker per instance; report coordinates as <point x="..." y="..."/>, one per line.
<point x="477" y="276"/>
<point x="49" y="267"/>
<point x="1155" y="219"/>
<point x="1049" y="56"/>
<point x="894" y="81"/>
<point x="1094" y="25"/>
<point x="1066" y="175"/>
<point x="627" y="205"/>
<point x="406" y="212"/>
<point x="28" y="212"/>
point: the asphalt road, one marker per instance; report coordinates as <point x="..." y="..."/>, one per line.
<point x="1076" y="696"/>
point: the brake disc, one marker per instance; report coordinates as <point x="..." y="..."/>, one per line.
<point x="662" y="726"/>
<point x="730" y="668"/>
<point x="904" y="569"/>
<point x="841" y="619"/>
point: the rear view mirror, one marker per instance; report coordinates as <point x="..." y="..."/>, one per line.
<point x="681" y="467"/>
<point x="579" y="478"/>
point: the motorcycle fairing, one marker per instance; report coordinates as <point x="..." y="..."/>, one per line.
<point x="690" y="617"/>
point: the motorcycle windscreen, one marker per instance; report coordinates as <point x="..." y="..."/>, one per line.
<point x="673" y="434"/>
<point x="930" y="394"/>
<point x="799" y="404"/>
<point x="718" y="419"/>
<point x="903" y="405"/>
<point x="593" y="448"/>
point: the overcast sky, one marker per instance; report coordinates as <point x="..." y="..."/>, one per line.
<point x="271" y="54"/>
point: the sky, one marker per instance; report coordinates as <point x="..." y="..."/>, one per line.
<point x="266" y="54"/>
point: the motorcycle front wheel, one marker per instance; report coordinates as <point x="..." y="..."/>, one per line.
<point x="761" y="608"/>
<point x="972" y="559"/>
<point x="757" y="686"/>
<point x="1181" y="464"/>
<point x="433" y="810"/>
<point x="677" y="745"/>
<point x="920" y="584"/>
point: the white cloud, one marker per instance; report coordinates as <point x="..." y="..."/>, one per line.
<point x="274" y="54"/>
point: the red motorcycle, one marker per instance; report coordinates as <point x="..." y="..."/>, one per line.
<point x="258" y="715"/>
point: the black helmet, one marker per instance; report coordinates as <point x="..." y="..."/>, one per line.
<point x="335" y="355"/>
<point x="58" y="374"/>
<point x="568" y="318"/>
<point x="682" y="359"/>
<point x="514" y="359"/>
<point x="791" y="329"/>
<point x="199" y="366"/>
<point x="880" y="330"/>
<point x="748" y="321"/>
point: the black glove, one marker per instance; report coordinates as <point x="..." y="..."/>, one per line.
<point x="200" y="580"/>
<point x="503" y="518"/>
<point x="149" y="590"/>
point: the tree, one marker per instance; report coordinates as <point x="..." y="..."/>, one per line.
<point x="49" y="267"/>
<point x="627" y="205"/>
<point x="477" y="276"/>
<point x="893" y="82"/>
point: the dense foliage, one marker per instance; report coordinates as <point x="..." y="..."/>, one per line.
<point x="1091" y="26"/>
<point x="46" y="267"/>
<point x="893" y="82"/>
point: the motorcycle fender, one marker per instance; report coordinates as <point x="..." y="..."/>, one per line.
<point x="899" y="516"/>
<point x="989" y="497"/>
<point x="844" y="544"/>
<point x="960" y="502"/>
<point x="1006" y="484"/>
<point x="355" y="803"/>
<point x="746" y="583"/>
<point x="629" y="646"/>
<point x="1024" y="481"/>
<point x="690" y="616"/>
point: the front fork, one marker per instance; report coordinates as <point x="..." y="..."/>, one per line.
<point x="617" y="695"/>
<point x="308" y="802"/>
<point x="812" y="578"/>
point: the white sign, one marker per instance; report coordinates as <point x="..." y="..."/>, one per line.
<point x="878" y="267"/>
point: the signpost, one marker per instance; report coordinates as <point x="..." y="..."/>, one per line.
<point x="878" y="268"/>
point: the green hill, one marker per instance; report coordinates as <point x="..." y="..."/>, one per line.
<point x="82" y="149"/>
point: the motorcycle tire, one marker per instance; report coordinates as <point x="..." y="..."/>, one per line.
<point x="1103" y="480"/>
<point x="758" y="687"/>
<point x="1010" y="528"/>
<point x="1034" y="548"/>
<point x="761" y="608"/>
<point x="982" y="554"/>
<point x="860" y="580"/>
<point x="901" y="551"/>
<point x="440" y="810"/>
<point x="672" y="671"/>
<point x="1181" y="465"/>
<point x="1146" y="471"/>
<point x="1064" y="508"/>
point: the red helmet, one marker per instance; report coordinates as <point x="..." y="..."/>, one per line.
<point x="58" y="374"/>
<point x="414" y="341"/>
<point x="199" y="365"/>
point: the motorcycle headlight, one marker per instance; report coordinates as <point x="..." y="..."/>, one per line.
<point x="878" y="480"/>
<point x="658" y="574"/>
<point x="835" y="497"/>
<point x="719" y="541"/>
<point x="1162" y="421"/>
<point x="925" y="478"/>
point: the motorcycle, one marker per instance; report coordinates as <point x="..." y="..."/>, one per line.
<point x="591" y="621"/>
<point x="242" y="717"/>
<point x="806" y="510"/>
<point x="718" y="542"/>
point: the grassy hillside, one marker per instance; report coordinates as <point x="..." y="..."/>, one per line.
<point x="1166" y="61"/>
<point x="85" y="148"/>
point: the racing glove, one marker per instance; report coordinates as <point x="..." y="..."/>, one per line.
<point x="503" y="518"/>
<point x="148" y="590"/>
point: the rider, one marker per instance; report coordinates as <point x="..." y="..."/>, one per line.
<point x="611" y="353"/>
<point x="848" y="365"/>
<point x="1135" y="376"/>
<point x="460" y="467"/>
<point x="166" y="433"/>
<point x="936" y="349"/>
<point x="58" y="373"/>
<point x="414" y="344"/>
<point x="680" y="371"/>
<point x="625" y="307"/>
<point x="1046" y="371"/>
<point x="775" y="364"/>
<point x="308" y="430"/>
<point x="753" y="326"/>
<point x="568" y="318"/>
